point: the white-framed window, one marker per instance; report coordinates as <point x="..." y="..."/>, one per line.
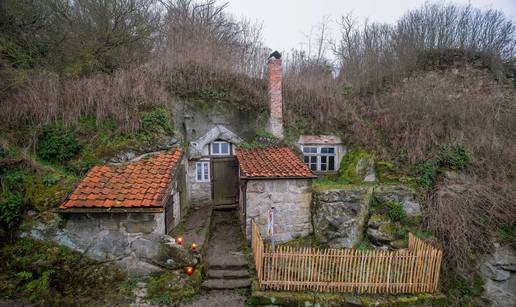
<point x="320" y="158"/>
<point x="220" y="148"/>
<point x="202" y="171"/>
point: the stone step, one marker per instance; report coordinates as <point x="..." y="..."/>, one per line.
<point x="221" y="284"/>
<point x="227" y="274"/>
<point x="236" y="266"/>
<point x="225" y="207"/>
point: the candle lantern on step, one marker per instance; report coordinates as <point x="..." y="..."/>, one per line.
<point x="179" y="241"/>
<point x="194" y="247"/>
<point x="189" y="270"/>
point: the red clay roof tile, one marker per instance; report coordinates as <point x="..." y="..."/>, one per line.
<point x="141" y="183"/>
<point x="272" y="162"/>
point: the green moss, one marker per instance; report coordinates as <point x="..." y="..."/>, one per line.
<point x="389" y="173"/>
<point x="388" y="228"/>
<point x="354" y="165"/>
<point x="328" y="184"/>
<point x="379" y="218"/>
<point x="306" y="241"/>
<point x="49" y="274"/>
<point x="173" y="286"/>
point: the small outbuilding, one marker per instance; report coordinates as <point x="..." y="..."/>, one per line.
<point x="141" y="196"/>
<point x="275" y="177"/>
<point x="322" y="153"/>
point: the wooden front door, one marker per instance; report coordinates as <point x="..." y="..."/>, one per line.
<point x="225" y="181"/>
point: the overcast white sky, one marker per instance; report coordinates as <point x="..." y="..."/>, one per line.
<point x="285" y="21"/>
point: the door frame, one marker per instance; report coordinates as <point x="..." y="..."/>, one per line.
<point x="212" y="176"/>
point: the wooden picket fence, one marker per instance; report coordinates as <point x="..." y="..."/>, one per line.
<point x="412" y="270"/>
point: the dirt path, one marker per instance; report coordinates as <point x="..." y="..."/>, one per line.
<point x="226" y="242"/>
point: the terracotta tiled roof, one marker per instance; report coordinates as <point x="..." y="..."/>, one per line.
<point x="141" y="183"/>
<point x="271" y="162"/>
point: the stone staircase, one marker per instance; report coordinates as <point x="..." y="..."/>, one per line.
<point x="227" y="277"/>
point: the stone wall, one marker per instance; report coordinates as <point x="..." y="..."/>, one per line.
<point x="135" y="242"/>
<point x="198" y="192"/>
<point x="291" y="199"/>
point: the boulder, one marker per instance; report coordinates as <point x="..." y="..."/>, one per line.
<point x="384" y="234"/>
<point x="499" y="274"/>
<point x="376" y="220"/>
<point x="160" y="250"/>
<point x="339" y="215"/>
<point x="139" y="254"/>
<point x="402" y="194"/>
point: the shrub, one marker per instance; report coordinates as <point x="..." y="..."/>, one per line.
<point x="11" y="209"/>
<point x="57" y="144"/>
<point x="396" y="211"/>
<point x="157" y="120"/>
<point x="454" y="157"/>
<point x="426" y="173"/>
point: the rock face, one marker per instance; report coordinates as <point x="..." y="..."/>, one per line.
<point x="339" y="215"/>
<point x="291" y="200"/>
<point x="132" y="241"/>
<point x="499" y="273"/>
<point x="402" y="194"/>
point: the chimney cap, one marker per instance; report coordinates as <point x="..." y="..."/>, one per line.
<point x="275" y="55"/>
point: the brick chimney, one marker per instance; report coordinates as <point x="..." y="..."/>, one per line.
<point x="276" y="102"/>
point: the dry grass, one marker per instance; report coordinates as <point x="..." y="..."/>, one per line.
<point x="466" y="221"/>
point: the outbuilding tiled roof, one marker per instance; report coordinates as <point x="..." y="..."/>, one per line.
<point x="271" y="162"/>
<point x="142" y="183"/>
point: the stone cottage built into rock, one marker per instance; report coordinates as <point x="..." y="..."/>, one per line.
<point x="212" y="173"/>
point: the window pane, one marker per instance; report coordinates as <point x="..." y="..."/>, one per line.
<point x="198" y="170"/>
<point x="224" y="148"/>
<point x="331" y="163"/>
<point x="309" y="149"/>
<point x="306" y="159"/>
<point x="328" y="150"/>
<point x="313" y="159"/>
<point x="323" y="167"/>
<point x="205" y="170"/>
<point x="215" y="148"/>
<point x="323" y="159"/>
<point x="313" y="167"/>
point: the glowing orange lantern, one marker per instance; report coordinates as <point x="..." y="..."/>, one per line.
<point x="189" y="270"/>
<point x="194" y="247"/>
<point x="179" y="240"/>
